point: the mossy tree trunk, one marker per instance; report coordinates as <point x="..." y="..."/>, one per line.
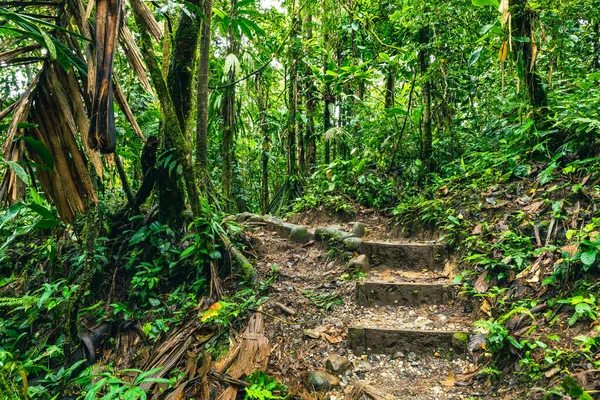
<point x="523" y="18"/>
<point x="228" y="113"/>
<point x="427" y="138"/>
<point x="292" y="126"/>
<point x="172" y="204"/>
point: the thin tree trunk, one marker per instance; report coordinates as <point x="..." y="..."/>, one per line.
<point x="426" y="99"/>
<point x="292" y="167"/>
<point x="262" y="100"/>
<point x="228" y="134"/>
<point x="203" y="67"/>
<point x="390" y="85"/>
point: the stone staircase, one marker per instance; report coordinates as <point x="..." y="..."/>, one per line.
<point x="406" y="297"/>
<point x="405" y="300"/>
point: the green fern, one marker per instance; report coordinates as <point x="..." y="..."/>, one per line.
<point x="19" y="303"/>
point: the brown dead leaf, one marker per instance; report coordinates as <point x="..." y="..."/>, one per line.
<point x="477" y="230"/>
<point x="486" y="307"/>
<point x="533" y="207"/>
<point x="450" y="380"/>
<point x="442" y="191"/>
<point x="571" y="249"/>
<point x="503" y="52"/>
<point x="481" y="285"/>
<point x="585" y="179"/>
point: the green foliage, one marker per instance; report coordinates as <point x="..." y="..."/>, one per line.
<point x="585" y="307"/>
<point x="113" y="387"/>
<point x="264" y="387"/>
<point x="323" y="300"/>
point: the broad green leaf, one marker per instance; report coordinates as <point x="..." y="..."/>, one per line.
<point x="41" y="210"/>
<point x="588" y="258"/>
<point x="19" y="171"/>
<point x="475" y="56"/>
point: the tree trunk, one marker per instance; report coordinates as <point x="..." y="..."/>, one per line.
<point x="426" y="99"/>
<point x="522" y="18"/>
<point x="182" y="67"/>
<point x="171" y="204"/>
<point x="202" y="122"/>
<point x="390" y="85"/>
<point x="262" y="101"/>
<point x="228" y="128"/>
<point x="292" y="128"/>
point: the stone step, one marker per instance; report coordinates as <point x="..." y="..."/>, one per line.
<point x="423" y="330"/>
<point x="365" y="340"/>
<point x="372" y="292"/>
<point x="406" y="256"/>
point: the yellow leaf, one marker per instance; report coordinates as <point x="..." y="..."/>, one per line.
<point x="329" y="174"/>
<point x="503" y="52"/>
<point x="213" y="311"/>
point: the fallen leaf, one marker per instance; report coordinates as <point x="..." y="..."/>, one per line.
<point x="533" y="207"/>
<point x="481" y="285"/>
<point x="486" y="307"/>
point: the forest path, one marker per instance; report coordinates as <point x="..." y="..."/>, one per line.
<point x="396" y="327"/>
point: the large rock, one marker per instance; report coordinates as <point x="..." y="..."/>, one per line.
<point x="272" y="222"/>
<point x="320" y="380"/>
<point x="358" y="229"/>
<point x="336" y="363"/>
<point x="299" y="234"/>
<point x="360" y="263"/>
<point x="331" y="233"/>
<point x="352" y="243"/>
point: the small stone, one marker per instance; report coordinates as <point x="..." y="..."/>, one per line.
<point x="336" y="363"/>
<point x="320" y="380"/>
<point x="299" y="234"/>
<point x="359" y="229"/>
<point x="412" y="356"/>
<point x="460" y="340"/>
<point x="360" y="263"/>
<point x="362" y="365"/>
<point x="397" y="355"/>
<point x="352" y="243"/>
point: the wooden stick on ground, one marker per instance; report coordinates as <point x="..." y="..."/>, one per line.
<point x="363" y="388"/>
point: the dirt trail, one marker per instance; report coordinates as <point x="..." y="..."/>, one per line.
<point x="328" y="320"/>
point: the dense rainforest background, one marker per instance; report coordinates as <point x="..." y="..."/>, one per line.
<point x="134" y="131"/>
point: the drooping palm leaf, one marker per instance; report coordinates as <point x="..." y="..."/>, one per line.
<point x="102" y="125"/>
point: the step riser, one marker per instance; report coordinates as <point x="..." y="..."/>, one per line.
<point x="377" y="294"/>
<point x="408" y="257"/>
<point x="388" y="341"/>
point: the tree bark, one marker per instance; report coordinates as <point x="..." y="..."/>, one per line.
<point x="171" y="208"/>
<point x="426" y="99"/>
<point x="292" y="128"/>
<point x="202" y="117"/>
<point x="522" y="18"/>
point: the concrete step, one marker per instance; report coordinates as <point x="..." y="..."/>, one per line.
<point x="422" y="330"/>
<point x="405" y="256"/>
<point x="369" y="293"/>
